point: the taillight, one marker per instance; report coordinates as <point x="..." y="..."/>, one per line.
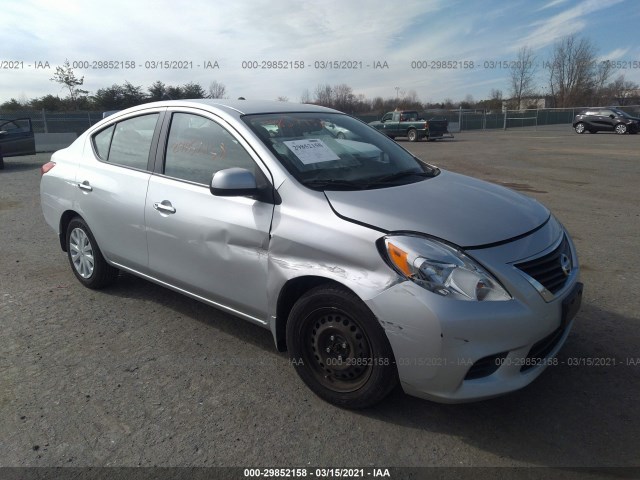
<point x="46" y="167"/>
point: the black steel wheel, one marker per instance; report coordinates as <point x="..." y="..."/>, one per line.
<point x="339" y="348"/>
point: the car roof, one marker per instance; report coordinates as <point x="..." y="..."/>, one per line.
<point x="239" y="107"/>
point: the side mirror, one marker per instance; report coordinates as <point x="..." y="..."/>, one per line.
<point x="233" y="182"/>
<point x="612" y="116"/>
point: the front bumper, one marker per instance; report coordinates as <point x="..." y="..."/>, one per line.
<point x="454" y="351"/>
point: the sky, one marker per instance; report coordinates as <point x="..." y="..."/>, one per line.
<point x="393" y="48"/>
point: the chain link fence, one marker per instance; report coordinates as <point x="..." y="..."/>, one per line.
<point x="459" y="119"/>
<point x="56" y="122"/>
<point x="478" y="119"/>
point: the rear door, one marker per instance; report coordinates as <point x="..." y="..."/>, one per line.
<point x="17" y="138"/>
<point x="112" y="181"/>
<point x="211" y="246"/>
<point x="606" y="120"/>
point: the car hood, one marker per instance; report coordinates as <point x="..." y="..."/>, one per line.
<point x="456" y="208"/>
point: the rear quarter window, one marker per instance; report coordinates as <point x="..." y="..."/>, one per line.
<point x="102" y="142"/>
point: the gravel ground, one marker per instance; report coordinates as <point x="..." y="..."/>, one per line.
<point x="139" y="375"/>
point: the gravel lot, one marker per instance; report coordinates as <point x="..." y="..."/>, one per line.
<point x="140" y="375"/>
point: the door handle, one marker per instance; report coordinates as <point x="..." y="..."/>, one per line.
<point x="164" y="207"/>
<point x="85" y="186"/>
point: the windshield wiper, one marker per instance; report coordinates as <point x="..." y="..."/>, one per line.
<point x="398" y="175"/>
<point x="331" y="184"/>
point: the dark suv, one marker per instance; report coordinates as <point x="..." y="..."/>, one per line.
<point x="16" y="138"/>
<point x="607" y="119"/>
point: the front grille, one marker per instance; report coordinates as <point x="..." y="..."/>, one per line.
<point x="485" y="366"/>
<point x="541" y="350"/>
<point x="547" y="270"/>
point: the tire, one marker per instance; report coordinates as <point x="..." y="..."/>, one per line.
<point x="621" y="129"/>
<point x="87" y="262"/>
<point x="412" y="135"/>
<point x="580" y="128"/>
<point x="339" y="349"/>
<point x="1" y="163"/>
<point x="340" y="135"/>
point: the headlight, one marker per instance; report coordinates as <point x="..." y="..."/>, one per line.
<point x="441" y="269"/>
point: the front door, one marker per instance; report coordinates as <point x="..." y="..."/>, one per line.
<point x="213" y="247"/>
<point x="16" y="137"/>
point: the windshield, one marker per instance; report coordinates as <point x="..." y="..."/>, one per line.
<point x="332" y="151"/>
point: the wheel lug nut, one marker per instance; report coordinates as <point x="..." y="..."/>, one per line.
<point x="332" y="338"/>
<point x="328" y="350"/>
<point x="344" y="345"/>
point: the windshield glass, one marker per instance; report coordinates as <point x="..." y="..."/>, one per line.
<point x="331" y="151"/>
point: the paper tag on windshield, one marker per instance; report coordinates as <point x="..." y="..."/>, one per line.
<point x="311" y="151"/>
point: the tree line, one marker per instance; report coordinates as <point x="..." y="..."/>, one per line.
<point x="115" y="97"/>
<point x="572" y="76"/>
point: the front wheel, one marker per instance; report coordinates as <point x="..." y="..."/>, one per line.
<point x="412" y="135"/>
<point x="580" y="128"/>
<point x="339" y="349"/>
<point x="87" y="262"/>
<point x="621" y="129"/>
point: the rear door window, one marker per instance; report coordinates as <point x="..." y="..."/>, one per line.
<point x="128" y="142"/>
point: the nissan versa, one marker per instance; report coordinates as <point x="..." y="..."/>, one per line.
<point x="367" y="265"/>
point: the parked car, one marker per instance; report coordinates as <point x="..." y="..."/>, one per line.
<point x="339" y="132"/>
<point x="367" y="264"/>
<point x="606" y="119"/>
<point x="409" y="123"/>
<point x="16" y="138"/>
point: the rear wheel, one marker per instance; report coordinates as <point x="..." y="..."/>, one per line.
<point x="621" y="129"/>
<point x="412" y="135"/>
<point x="580" y="128"/>
<point x="87" y="262"/>
<point x="339" y="349"/>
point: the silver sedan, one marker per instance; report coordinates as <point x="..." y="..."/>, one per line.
<point x="368" y="265"/>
